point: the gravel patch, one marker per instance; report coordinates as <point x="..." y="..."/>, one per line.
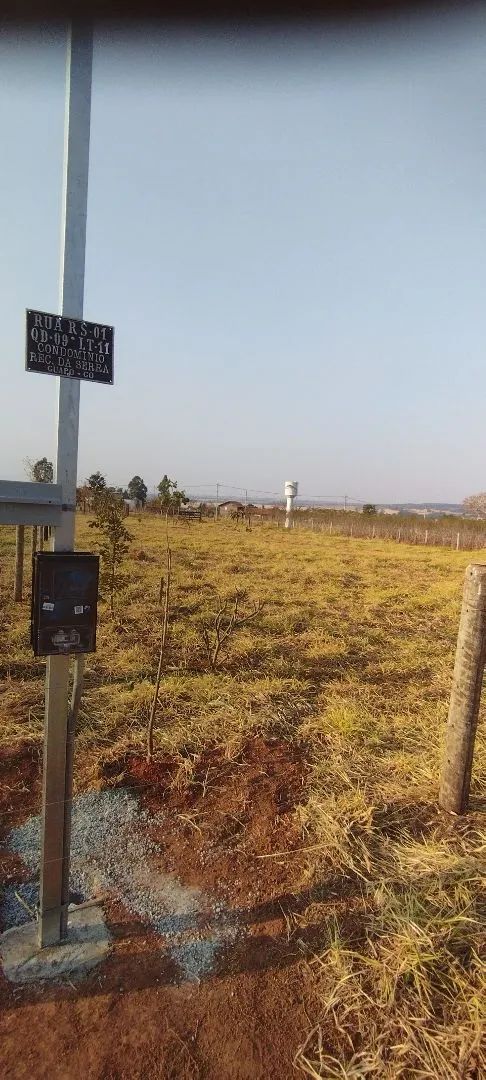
<point x="112" y="852"/>
<point x="12" y="910"/>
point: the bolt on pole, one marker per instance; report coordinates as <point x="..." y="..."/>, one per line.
<point x="466" y="694"/>
<point x="56" y="796"/>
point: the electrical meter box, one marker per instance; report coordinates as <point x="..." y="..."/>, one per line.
<point x="64" y="603"/>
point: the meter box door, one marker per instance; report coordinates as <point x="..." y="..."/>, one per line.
<point x="64" y="603"/>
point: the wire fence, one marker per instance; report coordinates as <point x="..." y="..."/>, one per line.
<point x="461" y="534"/>
<point x="458" y="533"/>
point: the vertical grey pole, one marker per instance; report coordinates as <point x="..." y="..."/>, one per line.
<point x="19" y="561"/>
<point x="466" y="693"/>
<point x="56" y="799"/>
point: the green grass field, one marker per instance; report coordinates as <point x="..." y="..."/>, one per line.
<point x="351" y="657"/>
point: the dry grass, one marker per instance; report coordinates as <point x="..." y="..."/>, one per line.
<point x="352" y="655"/>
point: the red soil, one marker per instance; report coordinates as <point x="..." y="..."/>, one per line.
<point x="132" y="1017"/>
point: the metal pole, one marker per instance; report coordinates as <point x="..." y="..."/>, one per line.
<point x="73" y="713"/>
<point x="466" y="693"/>
<point x="54" y="883"/>
<point x="19" y="562"/>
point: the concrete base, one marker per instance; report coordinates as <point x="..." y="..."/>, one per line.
<point x="87" y="943"/>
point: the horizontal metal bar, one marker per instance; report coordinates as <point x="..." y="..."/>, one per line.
<point x="25" y="503"/>
<point x="30" y="514"/>
<point x="26" y="492"/>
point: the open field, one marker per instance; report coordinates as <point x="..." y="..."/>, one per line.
<point x="299" y="782"/>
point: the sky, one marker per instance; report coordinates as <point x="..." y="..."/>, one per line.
<point x="287" y="230"/>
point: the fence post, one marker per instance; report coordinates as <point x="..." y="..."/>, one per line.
<point x="34" y="539"/>
<point x="466" y="693"/>
<point x="19" y="561"/>
<point x="426" y="535"/>
<point x="458" y="541"/>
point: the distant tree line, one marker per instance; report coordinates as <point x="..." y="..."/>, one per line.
<point x="169" y="499"/>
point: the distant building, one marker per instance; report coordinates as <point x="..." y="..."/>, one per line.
<point x="230" y="508"/>
<point x="388" y="510"/>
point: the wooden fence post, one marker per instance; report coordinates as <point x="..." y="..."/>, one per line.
<point x="466" y="693"/>
<point x="19" y="561"/>
<point x="34" y="539"/>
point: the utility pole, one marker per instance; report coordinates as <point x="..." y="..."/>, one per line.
<point x="58" y="747"/>
<point x="345" y="502"/>
<point x="216" y="514"/>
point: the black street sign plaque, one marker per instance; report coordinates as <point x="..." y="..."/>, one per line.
<point x="73" y="348"/>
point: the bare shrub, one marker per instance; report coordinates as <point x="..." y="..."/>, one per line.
<point x="226" y="622"/>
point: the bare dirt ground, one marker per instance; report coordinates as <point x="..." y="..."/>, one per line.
<point x="133" y="1016"/>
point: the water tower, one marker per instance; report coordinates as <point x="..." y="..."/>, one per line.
<point x="291" y="489"/>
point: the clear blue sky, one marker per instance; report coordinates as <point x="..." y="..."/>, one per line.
<point x="288" y="233"/>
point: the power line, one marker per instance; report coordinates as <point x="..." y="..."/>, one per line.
<point x="278" y="494"/>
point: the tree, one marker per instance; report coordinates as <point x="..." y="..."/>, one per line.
<point x="137" y="490"/>
<point x="83" y="494"/>
<point x="110" y="513"/>
<point x="163" y="642"/>
<point x="369" y="508"/>
<point x="476" y="504"/>
<point x="96" y="482"/>
<point x="41" y="471"/>
<point x="171" y="499"/>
